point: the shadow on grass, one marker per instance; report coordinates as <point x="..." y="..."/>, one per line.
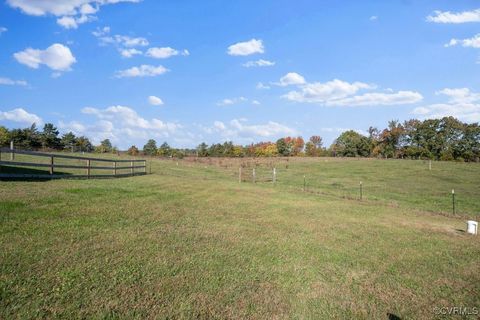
<point x="391" y="316"/>
<point x="11" y="173"/>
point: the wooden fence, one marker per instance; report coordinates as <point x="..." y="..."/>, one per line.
<point x="116" y="168"/>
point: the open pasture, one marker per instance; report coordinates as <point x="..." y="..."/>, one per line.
<point x="190" y="241"/>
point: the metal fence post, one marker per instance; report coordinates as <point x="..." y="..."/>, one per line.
<point x="12" y="151"/>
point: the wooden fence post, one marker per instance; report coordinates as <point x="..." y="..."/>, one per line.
<point x="114" y="168"/>
<point x="12" y="151"/>
<point x="254" y="176"/>
<point x="88" y="168"/>
<point x="239" y="174"/>
<point x="51" y="165"/>
<point x="145" y="166"/>
<point x="131" y="168"/>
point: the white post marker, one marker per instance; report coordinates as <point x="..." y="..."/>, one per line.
<point x="430" y="165"/>
<point x="274" y="175"/>
<point x="472" y="227"/>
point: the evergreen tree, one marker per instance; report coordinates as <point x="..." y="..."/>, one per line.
<point x="68" y="141"/>
<point x="49" y="136"/>
<point x="150" y="148"/>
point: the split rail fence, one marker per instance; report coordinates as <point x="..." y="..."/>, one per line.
<point x="82" y="167"/>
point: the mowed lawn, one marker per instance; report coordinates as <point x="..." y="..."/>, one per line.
<point x="189" y="241"/>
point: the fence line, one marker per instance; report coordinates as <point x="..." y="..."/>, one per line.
<point x="51" y="165"/>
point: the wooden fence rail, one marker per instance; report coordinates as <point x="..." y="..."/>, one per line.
<point x="132" y="165"/>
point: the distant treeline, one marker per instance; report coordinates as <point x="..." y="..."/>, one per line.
<point x="439" y="139"/>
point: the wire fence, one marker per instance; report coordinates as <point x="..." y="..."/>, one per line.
<point x="418" y="185"/>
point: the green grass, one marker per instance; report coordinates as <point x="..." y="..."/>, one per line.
<point x="189" y="241"/>
<point x="400" y="183"/>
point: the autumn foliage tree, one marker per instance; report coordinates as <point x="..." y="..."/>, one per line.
<point x="133" y="151"/>
<point x="314" y="146"/>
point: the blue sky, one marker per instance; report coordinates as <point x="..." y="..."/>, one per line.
<point x="248" y="71"/>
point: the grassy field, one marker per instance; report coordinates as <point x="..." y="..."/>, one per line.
<point x="189" y="241"/>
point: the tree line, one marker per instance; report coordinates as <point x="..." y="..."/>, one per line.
<point x="49" y="138"/>
<point x="439" y="139"/>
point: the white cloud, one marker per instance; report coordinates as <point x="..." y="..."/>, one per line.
<point x="122" y="40"/>
<point x="231" y="101"/>
<point x="88" y="9"/>
<point x="256" y="102"/>
<point x="61" y="7"/>
<point x="20" y="115"/>
<point x="262" y="86"/>
<point x="373" y="18"/>
<point x="259" y="63"/>
<point x="246" y="48"/>
<point x="459" y="95"/>
<point x="291" y="78"/>
<point x="473" y="42"/>
<point x="155" y="101"/>
<point x="130" y="42"/>
<point x="379" y="99"/>
<point x="461" y="103"/>
<point x="126" y="45"/>
<point x="142" y="71"/>
<point x="2" y="30"/>
<point x="123" y="125"/>
<point x="219" y="125"/>
<point x="269" y="129"/>
<point x="74" y="126"/>
<point x="10" y="82"/>
<point x="451" y="17"/>
<point x="239" y="131"/>
<point x="165" y="52"/>
<point x="341" y="93"/>
<point x="67" y="22"/>
<point x="327" y="91"/>
<point x="72" y="12"/>
<point x="57" y="57"/>
<point x="100" y="32"/>
<point x="71" y="22"/>
<point x="128" y="53"/>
